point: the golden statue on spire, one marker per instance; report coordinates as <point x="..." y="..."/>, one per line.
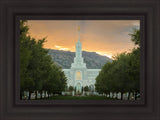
<point x="78" y="28"/>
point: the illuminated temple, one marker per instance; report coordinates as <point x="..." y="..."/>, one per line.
<point x="78" y="75"/>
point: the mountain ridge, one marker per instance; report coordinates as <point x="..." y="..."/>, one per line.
<point x="65" y="58"/>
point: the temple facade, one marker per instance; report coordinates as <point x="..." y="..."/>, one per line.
<point x="78" y="75"/>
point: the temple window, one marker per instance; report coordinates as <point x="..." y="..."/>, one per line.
<point x="78" y="75"/>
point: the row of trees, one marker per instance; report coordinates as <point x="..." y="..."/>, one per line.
<point x="71" y="88"/>
<point x="83" y="90"/>
<point x="37" y="70"/>
<point x="123" y="73"/>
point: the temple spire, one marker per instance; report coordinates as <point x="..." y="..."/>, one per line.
<point x="78" y="33"/>
<point x="78" y="59"/>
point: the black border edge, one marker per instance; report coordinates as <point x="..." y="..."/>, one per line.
<point x="80" y="103"/>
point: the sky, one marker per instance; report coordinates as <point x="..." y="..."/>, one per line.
<point x="105" y="37"/>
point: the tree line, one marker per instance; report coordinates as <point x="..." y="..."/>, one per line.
<point x="83" y="91"/>
<point x="85" y="88"/>
<point x="123" y="73"/>
<point x="38" y="72"/>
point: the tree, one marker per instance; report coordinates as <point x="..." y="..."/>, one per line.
<point x="135" y="36"/>
<point x="26" y="82"/>
<point x="37" y="70"/>
<point x="135" y="62"/>
<point x="86" y="88"/>
<point x="75" y="89"/>
<point x="39" y="64"/>
<point x="113" y="77"/>
<point x="82" y="89"/>
<point x="121" y="79"/>
<point x="103" y="80"/>
<point x="134" y="71"/>
<point x="71" y="88"/>
<point x="56" y="82"/>
<point x="122" y="74"/>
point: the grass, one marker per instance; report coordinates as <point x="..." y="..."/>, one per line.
<point x="77" y="98"/>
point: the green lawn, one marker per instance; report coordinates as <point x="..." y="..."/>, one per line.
<point x="77" y="98"/>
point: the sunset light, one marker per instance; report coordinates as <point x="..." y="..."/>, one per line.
<point x="105" y="37"/>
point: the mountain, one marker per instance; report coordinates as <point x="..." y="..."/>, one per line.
<point x="66" y="58"/>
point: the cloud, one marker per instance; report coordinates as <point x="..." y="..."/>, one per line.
<point x="61" y="48"/>
<point x="105" y="54"/>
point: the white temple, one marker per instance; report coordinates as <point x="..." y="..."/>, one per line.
<point x="78" y="75"/>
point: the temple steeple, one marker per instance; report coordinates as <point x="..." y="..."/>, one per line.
<point x="78" y="60"/>
<point x="78" y="33"/>
<point x="78" y="46"/>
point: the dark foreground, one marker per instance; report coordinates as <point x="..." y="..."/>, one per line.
<point x="77" y="98"/>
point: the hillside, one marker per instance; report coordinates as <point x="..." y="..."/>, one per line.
<point x="65" y="58"/>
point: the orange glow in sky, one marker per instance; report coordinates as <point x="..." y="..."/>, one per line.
<point x="105" y="37"/>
